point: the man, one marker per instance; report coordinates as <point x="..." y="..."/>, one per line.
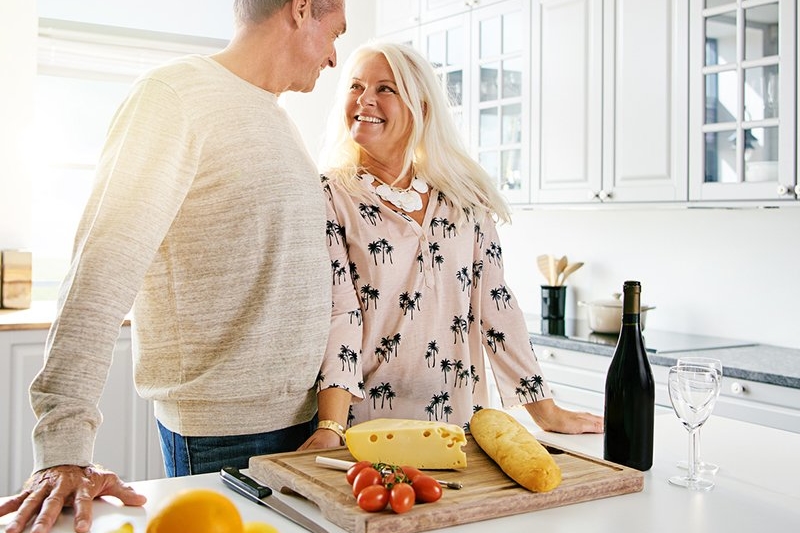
<point x="207" y="220"/>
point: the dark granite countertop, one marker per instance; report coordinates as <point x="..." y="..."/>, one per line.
<point x="740" y="359"/>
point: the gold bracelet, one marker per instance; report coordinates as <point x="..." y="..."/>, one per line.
<point x="334" y="426"/>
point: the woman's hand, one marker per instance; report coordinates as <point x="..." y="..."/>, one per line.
<point x="551" y="417"/>
<point x="48" y="491"/>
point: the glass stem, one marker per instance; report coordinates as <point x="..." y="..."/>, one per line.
<point x="693" y="441"/>
<point x="697" y="458"/>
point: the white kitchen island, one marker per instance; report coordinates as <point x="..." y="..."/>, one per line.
<point x="757" y="490"/>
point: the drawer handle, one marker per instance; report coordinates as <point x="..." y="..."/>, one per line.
<point x="547" y="354"/>
<point x="738" y="388"/>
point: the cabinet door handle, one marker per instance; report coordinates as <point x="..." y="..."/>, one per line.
<point x="783" y="190"/>
<point x="604" y="195"/>
<point x="547" y="354"/>
<point x="797" y="190"/>
<point x="738" y="388"/>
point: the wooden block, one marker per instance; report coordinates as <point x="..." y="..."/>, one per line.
<point x="15" y="279"/>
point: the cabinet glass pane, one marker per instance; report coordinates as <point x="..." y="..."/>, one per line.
<point x="510" y="178"/>
<point x="512" y="33"/>
<point x="491" y="164"/>
<point x="721" y="39"/>
<point x="721" y="157"/>
<point x="761" y="92"/>
<point x="490" y="81"/>
<point x="455" y="46"/>
<point x="490" y="37"/>
<point x="512" y="78"/>
<point x="455" y="86"/>
<point x="489" y="132"/>
<point x="761" y="31"/>
<point x="761" y="155"/>
<point x="437" y="49"/>
<point x="722" y="97"/>
<point x="716" y="3"/>
<point x="512" y="123"/>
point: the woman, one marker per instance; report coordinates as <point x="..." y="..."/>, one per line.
<point x="416" y="263"/>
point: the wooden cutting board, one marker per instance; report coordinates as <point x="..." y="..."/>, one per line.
<point x="487" y="492"/>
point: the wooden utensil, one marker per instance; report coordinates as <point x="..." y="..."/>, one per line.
<point x="543" y="261"/>
<point x="569" y="270"/>
<point x="552" y="269"/>
<point x="562" y="264"/>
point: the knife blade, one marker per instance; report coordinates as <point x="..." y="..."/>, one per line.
<point x="261" y="494"/>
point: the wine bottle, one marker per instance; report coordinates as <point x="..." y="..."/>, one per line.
<point x="630" y="391"/>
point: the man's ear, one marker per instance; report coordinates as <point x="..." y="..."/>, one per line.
<point x="301" y="11"/>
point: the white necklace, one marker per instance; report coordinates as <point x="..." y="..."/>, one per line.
<point x="408" y="199"/>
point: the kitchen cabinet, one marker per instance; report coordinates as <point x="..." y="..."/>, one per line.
<point x="743" y="90"/>
<point x="577" y="380"/>
<point x="438" y="9"/>
<point x="610" y="101"/>
<point x="396" y="15"/>
<point x="481" y="52"/>
<point x="127" y="441"/>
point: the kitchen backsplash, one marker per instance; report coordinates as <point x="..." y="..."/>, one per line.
<point x="722" y="272"/>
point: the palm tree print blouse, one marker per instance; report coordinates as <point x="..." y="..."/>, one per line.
<point x="415" y="306"/>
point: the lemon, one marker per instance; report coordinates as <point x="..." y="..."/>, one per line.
<point x="197" y="511"/>
<point x="127" y="527"/>
<point x="259" y="527"/>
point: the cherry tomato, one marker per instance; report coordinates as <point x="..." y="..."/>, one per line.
<point x="401" y="497"/>
<point x="366" y="477"/>
<point x="426" y="488"/>
<point x="355" y="469"/>
<point x="411" y="472"/>
<point x="373" y="498"/>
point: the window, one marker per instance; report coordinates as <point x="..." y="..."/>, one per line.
<point x="85" y="71"/>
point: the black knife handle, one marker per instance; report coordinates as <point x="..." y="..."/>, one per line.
<point x="245" y="483"/>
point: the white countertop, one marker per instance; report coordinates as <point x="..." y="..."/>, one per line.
<point x="757" y="489"/>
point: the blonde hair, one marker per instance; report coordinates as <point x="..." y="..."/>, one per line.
<point x="435" y="149"/>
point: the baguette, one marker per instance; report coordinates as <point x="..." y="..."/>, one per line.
<point x="515" y="450"/>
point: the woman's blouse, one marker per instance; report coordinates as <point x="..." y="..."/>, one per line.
<point x="414" y="307"/>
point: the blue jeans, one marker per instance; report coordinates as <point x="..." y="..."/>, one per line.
<point x="184" y="456"/>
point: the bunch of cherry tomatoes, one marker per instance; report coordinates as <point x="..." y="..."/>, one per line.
<point x="376" y="485"/>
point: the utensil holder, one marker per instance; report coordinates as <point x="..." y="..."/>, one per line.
<point x="553" y="326"/>
<point x="554" y="299"/>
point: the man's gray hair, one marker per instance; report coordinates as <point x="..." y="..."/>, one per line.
<point x="245" y="11"/>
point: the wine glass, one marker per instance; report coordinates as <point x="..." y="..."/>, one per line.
<point x="702" y="466"/>
<point x="693" y="391"/>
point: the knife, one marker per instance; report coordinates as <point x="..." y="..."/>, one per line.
<point x="256" y="492"/>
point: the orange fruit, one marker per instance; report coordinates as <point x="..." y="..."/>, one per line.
<point x="196" y="511"/>
<point x="259" y="527"/>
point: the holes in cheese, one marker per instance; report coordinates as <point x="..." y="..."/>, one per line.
<point x="419" y="443"/>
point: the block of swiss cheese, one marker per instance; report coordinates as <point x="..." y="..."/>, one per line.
<point x="418" y="443"/>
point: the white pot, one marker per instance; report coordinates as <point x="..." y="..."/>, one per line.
<point x="605" y="316"/>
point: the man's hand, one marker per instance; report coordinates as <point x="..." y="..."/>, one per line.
<point x="48" y="491"/>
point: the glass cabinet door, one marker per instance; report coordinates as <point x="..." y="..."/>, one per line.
<point x="446" y="45"/>
<point x="748" y="86"/>
<point x="500" y="136"/>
